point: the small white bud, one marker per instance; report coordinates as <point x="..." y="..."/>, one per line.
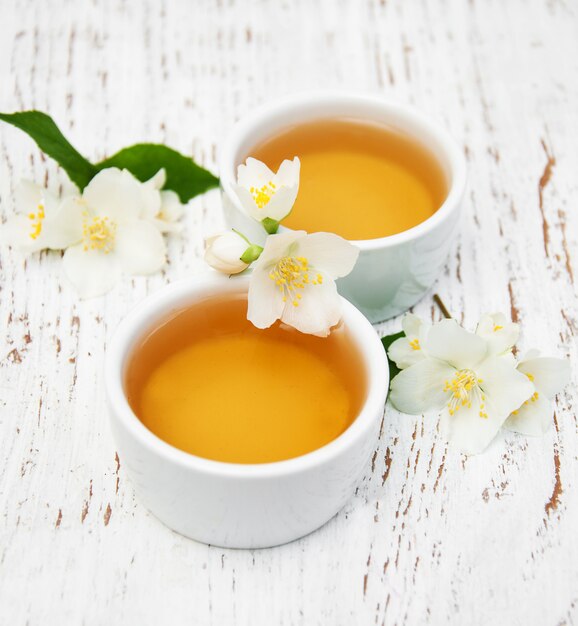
<point x="223" y="252"/>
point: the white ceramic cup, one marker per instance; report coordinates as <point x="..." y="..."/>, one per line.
<point x="228" y="504"/>
<point x="393" y="272"/>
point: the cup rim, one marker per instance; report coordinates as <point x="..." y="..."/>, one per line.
<point x="170" y="298"/>
<point x="277" y="108"/>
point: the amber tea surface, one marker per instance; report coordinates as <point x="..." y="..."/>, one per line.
<point x="360" y="180"/>
<point x="208" y="382"/>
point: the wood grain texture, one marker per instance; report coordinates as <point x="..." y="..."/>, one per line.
<point x="430" y="537"/>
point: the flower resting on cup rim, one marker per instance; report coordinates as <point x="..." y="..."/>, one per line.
<point x="293" y="280"/>
<point x="266" y="196"/>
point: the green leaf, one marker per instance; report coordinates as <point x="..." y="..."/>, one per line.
<point x="144" y="160"/>
<point x="387" y="341"/>
<point x="50" y="140"/>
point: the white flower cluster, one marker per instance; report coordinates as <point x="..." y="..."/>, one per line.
<point x="474" y="379"/>
<point x="115" y="226"/>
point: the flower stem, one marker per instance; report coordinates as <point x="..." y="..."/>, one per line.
<point x="241" y="235"/>
<point x="442" y="306"/>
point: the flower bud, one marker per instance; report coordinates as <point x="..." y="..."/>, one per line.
<point x="223" y="252"/>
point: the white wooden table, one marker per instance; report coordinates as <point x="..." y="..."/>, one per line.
<point x="430" y="537"/>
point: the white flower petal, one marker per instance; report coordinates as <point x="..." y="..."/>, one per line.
<point x="27" y="196"/>
<point x="549" y="375"/>
<point x="329" y="253"/>
<point x="171" y="207"/>
<point x="533" y="418"/>
<point x="265" y="300"/>
<point x="277" y="246"/>
<point x="403" y="354"/>
<point x="91" y="272"/>
<point x="420" y="388"/>
<point x="254" y="173"/>
<point x="509" y="358"/>
<point x="500" y="333"/>
<point x="408" y="350"/>
<point x="488" y="321"/>
<point x="448" y="341"/>
<point x="288" y="173"/>
<point x="15" y="232"/>
<point x="168" y="227"/>
<point x="248" y="203"/>
<point x="118" y="195"/>
<point x="167" y="220"/>
<point x="503" y="385"/>
<point x="318" y="310"/>
<point x="279" y="206"/>
<point x="55" y="224"/>
<point x="139" y="247"/>
<point x="530" y="354"/>
<point x="158" y="180"/>
<point x="411" y="325"/>
<point x="469" y="432"/>
<point x="63" y="227"/>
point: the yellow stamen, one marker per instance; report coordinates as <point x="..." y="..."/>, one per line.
<point x="497" y="327"/>
<point x="533" y="398"/>
<point x="463" y="387"/>
<point x="291" y="274"/>
<point x="414" y="343"/>
<point x="98" y="234"/>
<point x="37" y="219"/>
<point x="263" y="195"/>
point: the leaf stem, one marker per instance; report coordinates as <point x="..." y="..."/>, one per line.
<point x="442" y="306"/>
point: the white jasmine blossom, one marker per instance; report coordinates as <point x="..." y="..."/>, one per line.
<point x="266" y="196"/>
<point x="171" y="210"/>
<point x="230" y="252"/>
<point x="43" y="221"/>
<point x="461" y="375"/>
<point x="500" y="333"/>
<point x="116" y="235"/>
<point x="168" y="218"/>
<point x="548" y="376"/>
<point x="294" y="281"/>
<point x="408" y="350"/>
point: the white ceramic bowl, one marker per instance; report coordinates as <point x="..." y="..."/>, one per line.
<point x="394" y="272"/>
<point x="234" y="505"/>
